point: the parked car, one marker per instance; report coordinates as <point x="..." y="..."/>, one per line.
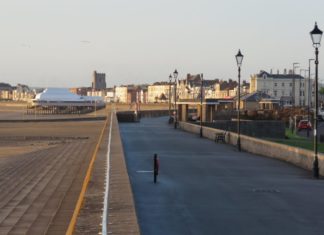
<point x="304" y="125"/>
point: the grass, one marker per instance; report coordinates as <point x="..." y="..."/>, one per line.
<point x="298" y="141"/>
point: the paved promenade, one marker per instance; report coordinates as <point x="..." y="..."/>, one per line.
<point x="41" y="174"/>
<point x="209" y="188"/>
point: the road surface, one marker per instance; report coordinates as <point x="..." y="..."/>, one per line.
<point x="209" y="188"/>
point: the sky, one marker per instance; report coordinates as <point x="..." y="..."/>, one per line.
<point x="47" y="43"/>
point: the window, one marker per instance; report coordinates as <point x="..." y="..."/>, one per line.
<point x="275" y="84"/>
<point x="283" y="93"/>
<point x="283" y="84"/>
<point x="290" y="84"/>
<point x="275" y="93"/>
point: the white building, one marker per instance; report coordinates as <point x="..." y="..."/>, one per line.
<point x="62" y="97"/>
<point x="101" y="93"/>
<point x="121" y="93"/>
<point x="22" y="93"/>
<point x="291" y="89"/>
<point x="158" y="92"/>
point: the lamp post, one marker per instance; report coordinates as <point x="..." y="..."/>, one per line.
<point x="295" y="65"/>
<point x="175" y="75"/>
<point x="300" y="87"/>
<point x="316" y="35"/>
<point x="201" y="103"/>
<point x="309" y="92"/>
<point x="170" y="78"/>
<point x="239" y="59"/>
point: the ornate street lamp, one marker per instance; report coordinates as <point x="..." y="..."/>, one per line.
<point x="295" y="65"/>
<point x="309" y="92"/>
<point x="175" y="75"/>
<point x="239" y="59"/>
<point x="316" y="35"/>
<point x="170" y="78"/>
<point x="201" y="104"/>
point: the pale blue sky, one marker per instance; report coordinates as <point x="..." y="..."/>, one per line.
<point x="59" y="43"/>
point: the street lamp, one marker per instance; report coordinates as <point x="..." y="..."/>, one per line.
<point x="170" y="78"/>
<point x="175" y="75"/>
<point x="201" y="103"/>
<point x="239" y="59"/>
<point x="300" y="87"/>
<point x="309" y="92"/>
<point x="316" y="35"/>
<point x="295" y="65"/>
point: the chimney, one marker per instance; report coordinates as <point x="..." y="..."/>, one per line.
<point x="285" y="71"/>
<point x="277" y="71"/>
<point x="270" y="71"/>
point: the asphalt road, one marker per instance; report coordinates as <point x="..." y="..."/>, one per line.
<point x="209" y="188"/>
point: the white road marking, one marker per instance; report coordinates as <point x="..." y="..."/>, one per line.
<point x="144" y="171"/>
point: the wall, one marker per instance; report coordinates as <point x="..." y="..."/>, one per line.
<point x="297" y="156"/>
<point x="260" y="129"/>
<point x="129" y="116"/>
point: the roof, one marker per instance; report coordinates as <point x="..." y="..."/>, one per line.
<point x="195" y="81"/>
<point x="62" y="94"/>
<point x="256" y="97"/>
<point x="279" y="76"/>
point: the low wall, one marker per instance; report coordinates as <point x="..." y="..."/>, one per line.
<point x="297" y="156"/>
<point x="129" y="116"/>
<point x="121" y="207"/>
<point x="254" y="128"/>
<point x="153" y="113"/>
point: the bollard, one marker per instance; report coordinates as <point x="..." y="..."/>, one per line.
<point x="156" y="167"/>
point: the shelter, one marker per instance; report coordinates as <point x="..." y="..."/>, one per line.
<point x="62" y="101"/>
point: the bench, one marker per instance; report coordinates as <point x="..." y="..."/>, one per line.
<point x="220" y="137"/>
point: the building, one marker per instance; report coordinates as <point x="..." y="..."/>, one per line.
<point x="158" y="92"/>
<point x="291" y="89"/>
<point x="99" y="81"/>
<point x="62" y="101"/>
<point x="225" y="89"/>
<point x="22" y="93"/>
<point x="143" y="94"/>
<point x="121" y="94"/>
<point x="257" y="100"/>
<point x="190" y="87"/>
<point x="5" y="91"/>
<point x="101" y="93"/>
<point x="80" y="90"/>
<point x="110" y="95"/>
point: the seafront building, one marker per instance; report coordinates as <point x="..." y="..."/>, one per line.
<point x="291" y="89"/>
<point x="62" y="101"/>
<point x="159" y="92"/>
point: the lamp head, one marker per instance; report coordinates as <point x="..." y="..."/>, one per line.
<point x="316" y="35"/>
<point x="175" y="74"/>
<point x="239" y="58"/>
